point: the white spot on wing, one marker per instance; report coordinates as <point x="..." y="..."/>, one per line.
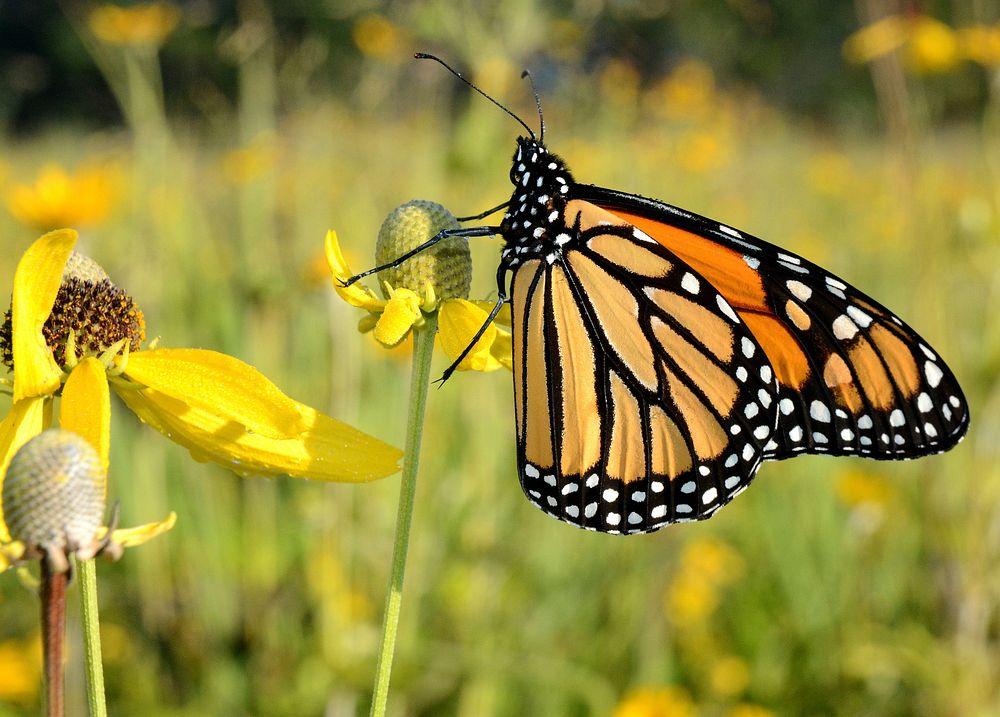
<point x="725" y="308"/>
<point x="844" y="329"/>
<point x="933" y="373"/>
<point x="860" y="317"/>
<point x="690" y="283"/>
<point x="799" y="290"/>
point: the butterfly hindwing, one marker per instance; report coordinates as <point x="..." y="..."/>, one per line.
<point x="641" y="397"/>
<point x="853" y="378"/>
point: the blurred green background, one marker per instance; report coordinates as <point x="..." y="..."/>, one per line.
<point x="204" y="148"/>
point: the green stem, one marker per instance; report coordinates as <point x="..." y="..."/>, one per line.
<point x="423" y="348"/>
<point x="92" y="638"/>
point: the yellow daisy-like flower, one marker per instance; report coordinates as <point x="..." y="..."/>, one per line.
<point x="74" y="334"/>
<point x="656" y="702"/>
<point x="403" y="307"/>
<point x="143" y="24"/>
<point x="59" y="198"/>
<point x="928" y="45"/>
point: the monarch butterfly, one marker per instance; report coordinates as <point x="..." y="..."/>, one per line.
<point x="659" y="357"/>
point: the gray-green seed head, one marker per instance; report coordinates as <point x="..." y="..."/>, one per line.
<point x="53" y="495"/>
<point x="447" y="265"/>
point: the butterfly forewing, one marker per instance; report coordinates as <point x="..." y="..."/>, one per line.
<point x="641" y="397"/>
<point x="853" y="378"/>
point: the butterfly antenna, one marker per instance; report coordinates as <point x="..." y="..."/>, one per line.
<point x="538" y="104"/>
<point x="425" y="56"/>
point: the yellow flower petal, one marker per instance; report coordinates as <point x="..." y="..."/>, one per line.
<point x="129" y="537"/>
<point x="355" y="294"/>
<point x="262" y="433"/>
<point x="402" y="311"/>
<point x="215" y="384"/>
<point x="26" y="419"/>
<point x="86" y="406"/>
<point x="458" y="322"/>
<point x="36" y="283"/>
<point x="10" y="553"/>
<point x="875" y="40"/>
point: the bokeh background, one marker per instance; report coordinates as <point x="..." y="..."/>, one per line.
<point x="204" y="148"/>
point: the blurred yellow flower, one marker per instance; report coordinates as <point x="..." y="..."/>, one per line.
<point x="929" y="45"/>
<point x="656" y="702"/>
<point x="876" y="40"/>
<point x="142" y="24"/>
<point x="981" y="43"/>
<point x="20" y="669"/>
<point x="59" y="199"/>
<point x="688" y="92"/>
<point x="749" y="710"/>
<point x="619" y="84"/>
<point x="246" y="164"/>
<point x="71" y="332"/>
<point x="729" y="675"/>
<point x="706" y="567"/>
<point x="701" y="151"/>
<point x="857" y="487"/>
<point x="932" y="46"/>
<point x="377" y="37"/>
<point x="391" y="319"/>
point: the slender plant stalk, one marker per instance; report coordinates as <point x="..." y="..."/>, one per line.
<point x="53" y="594"/>
<point x="92" y="638"/>
<point x="423" y="348"/>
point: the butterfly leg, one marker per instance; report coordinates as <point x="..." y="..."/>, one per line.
<point x="485" y="214"/>
<point x="501" y="300"/>
<point x="440" y="236"/>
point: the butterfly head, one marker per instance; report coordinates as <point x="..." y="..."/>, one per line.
<point x="534" y="216"/>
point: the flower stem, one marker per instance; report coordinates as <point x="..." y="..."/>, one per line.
<point x="423" y="348"/>
<point x="53" y="594"/>
<point x="92" y="638"/>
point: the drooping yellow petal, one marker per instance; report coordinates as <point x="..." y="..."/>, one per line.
<point x="26" y="419"/>
<point x="86" y="406"/>
<point x="10" y="553"/>
<point x="215" y="384"/>
<point x="36" y="283"/>
<point x="875" y="40"/>
<point x="355" y="294"/>
<point x="259" y="434"/>
<point x="402" y="311"/>
<point x="458" y="322"/>
<point x="129" y="537"/>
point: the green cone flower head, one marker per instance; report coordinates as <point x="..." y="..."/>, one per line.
<point x="53" y="496"/>
<point x="447" y="266"/>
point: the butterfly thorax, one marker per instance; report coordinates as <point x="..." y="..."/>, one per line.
<point x="534" y="224"/>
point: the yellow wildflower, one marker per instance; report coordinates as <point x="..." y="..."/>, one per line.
<point x="20" y="669"/>
<point x="377" y="37"/>
<point x="706" y="567"/>
<point x="656" y="702"/>
<point x="426" y="283"/>
<point x="142" y="24"/>
<point x="687" y="92"/>
<point x="876" y="40"/>
<point x="932" y="46"/>
<point x="856" y="487"/>
<point x="729" y="675"/>
<point x="247" y="164"/>
<point x="981" y="44"/>
<point x="60" y="199"/>
<point x="749" y="710"/>
<point x="928" y="45"/>
<point x="71" y="332"/>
